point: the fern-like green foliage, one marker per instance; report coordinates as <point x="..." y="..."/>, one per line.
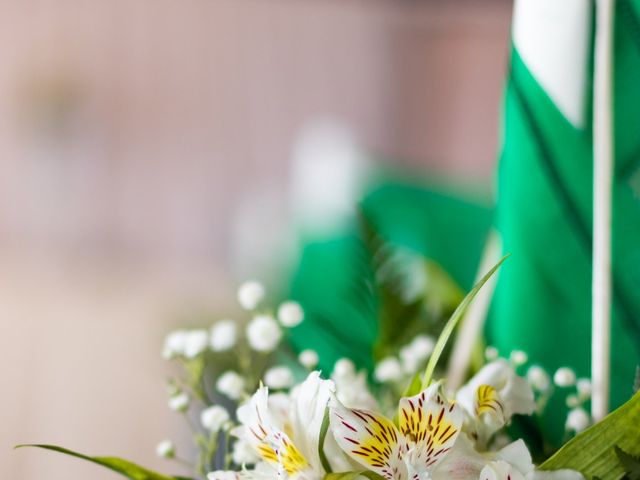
<point x="412" y="294"/>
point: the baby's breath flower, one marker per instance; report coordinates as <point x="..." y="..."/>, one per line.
<point x="231" y="384"/>
<point x="518" y="357"/>
<point x="174" y="344"/>
<point x="250" y="294"/>
<point x="583" y="385"/>
<point x="223" y="335"/>
<point x="214" y="418"/>
<point x="263" y="333"/>
<point x="577" y="420"/>
<point x="564" y="377"/>
<point x="344" y="367"/>
<point x="491" y="353"/>
<point x="416" y="352"/>
<point x="290" y="314"/>
<point x="166" y="449"/>
<point x="195" y="343"/>
<point x="538" y="378"/>
<point x="278" y="377"/>
<point x="179" y="402"/>
<point x="308" y="358"/>
<point x="388" y="370"/>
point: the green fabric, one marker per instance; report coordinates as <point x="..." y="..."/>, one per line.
<point x="544" y="215"/>
<point x="341" y="320"/>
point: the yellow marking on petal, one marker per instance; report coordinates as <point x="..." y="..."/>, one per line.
<point x="488" y="401"/>
<point x="292" y="460"/>
<point x="267" y="453"/>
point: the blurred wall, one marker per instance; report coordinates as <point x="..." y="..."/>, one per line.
<point x="135" y="134"/>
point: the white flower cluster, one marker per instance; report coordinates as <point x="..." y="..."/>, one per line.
<point x="436" y="437"/>
<point x="413" y="357"/>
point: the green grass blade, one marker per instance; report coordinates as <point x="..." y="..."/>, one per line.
<point x="119" y="465"/>
<point x="593" y="452"/>
<point x="453" y="322"/>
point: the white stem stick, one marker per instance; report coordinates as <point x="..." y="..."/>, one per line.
<point x="602" y="201"/>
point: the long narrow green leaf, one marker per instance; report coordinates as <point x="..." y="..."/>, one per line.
<point x="324" y="428"/>
<point x="119" y="465"/>
<point x="593" y="452"/>
<point x="453" y="322"/>
<point x="353" y="475"/>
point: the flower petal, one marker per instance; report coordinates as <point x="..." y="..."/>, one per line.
<point x="432" y="424"/>
<point x="370" y="439"/>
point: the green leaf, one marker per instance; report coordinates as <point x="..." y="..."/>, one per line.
<point x="593" y="451"/>
<point x="353" y="475"/>
<point x="453" y="322"/>
<point x="324" y="428"/>
<point x="414" y="387"/>
<point x="631" y="463"/>
<point x="119" y="465"/>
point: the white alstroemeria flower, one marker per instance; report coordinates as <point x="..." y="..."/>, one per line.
<point x="351" y="386"/>
<point x="243" y="453"/>
<point x="493" y="396"/>
<point x="223" y="335"/>
<point x="288" y="444"/>
<point x="428" y="428"/>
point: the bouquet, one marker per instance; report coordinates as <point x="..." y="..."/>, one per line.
<point x="258" y="412"/>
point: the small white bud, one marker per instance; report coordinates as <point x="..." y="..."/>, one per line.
<point x="343" y="368"/>
<point x="263" y="333"/>
<point x="583" y="385"/>
<point x="166" y="449"/>
<point x="538" y="378"/>
<point x="278" y="377"/>
<point x="308" y="358"/>
<point x="572" y="401"/>
<point x="422" y="346"/>
<point x="250" y="294"/>
<point x="491" y="353"/>
<point x="179" y="402"/>
<point x="290" y="314"/>
<point x="388" y="370"/>
<point x="518" y="357"/>
<point x="243" y="453"/>
<point x="174" y="344"/>
<point x="214" y="418"/>
<point x="195" y="343"/>
<point x="223" y="335"/>
<point x="564" y="377"/>
<point x="577" y="420"/>
<point x="231" y="384"/>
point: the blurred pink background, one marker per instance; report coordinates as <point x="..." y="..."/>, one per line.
<point x="140" y="144"/>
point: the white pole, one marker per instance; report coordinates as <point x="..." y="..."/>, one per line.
<point x="602" y="188"/>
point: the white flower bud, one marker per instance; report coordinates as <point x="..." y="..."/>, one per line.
<point x="572" y="401"/>
<point x="174" y="344"/>
<point x="388" y="370"/>
<point x="518" y="357"/>
<point x="195" y="343"/>
<point x="250" y="294"/>
<point x="166" y="449"/>
<point x="278" y="377"/>
<point x="577" y="420"/>
<point x="223" y="335"/>
<point x="344" y="367"/>
<point x="214" y="418"/>
<point x="308" y="358"/>
<point x="491" y="353"/>
<point x="179" y="402"/>
<point x="290" y="314"/>
<point x="263" y="333"/>
<point x="423" y="346"/>
<point x="583" y="385"/>
<point x="231" y="384"/>
<point x="243" y="453"/>
<point x="538" y="378"/>
<point x="564" y="377"/>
